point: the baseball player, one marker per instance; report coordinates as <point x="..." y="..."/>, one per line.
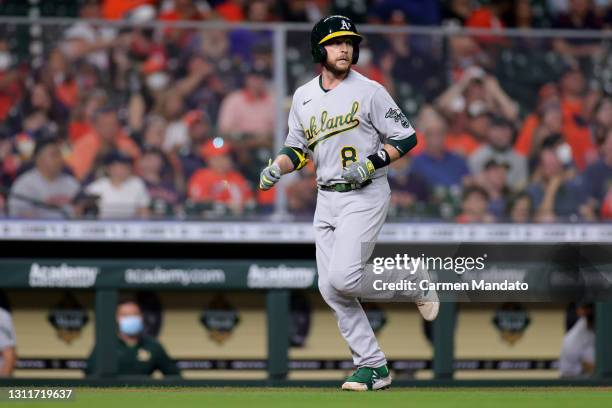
<point x="352" y="129"/>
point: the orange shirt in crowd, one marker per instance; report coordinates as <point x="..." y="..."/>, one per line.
<point x="208" y="185"/>
<point x="578" y="137"/>
<point x="78" y="129"/>
<point x="116" y="9"/>
<point x="230" y="11"/>
<point x="85" y="150"/>
<point x="525" y="135"/>
<point x="67" y="93"/>
<point x="463" y="144"/>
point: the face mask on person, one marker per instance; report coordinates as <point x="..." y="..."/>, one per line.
<point x="130" y="325"/>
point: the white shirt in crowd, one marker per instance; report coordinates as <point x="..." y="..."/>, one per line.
<point x="122" y="201"/>
<point x="578" y="347"/>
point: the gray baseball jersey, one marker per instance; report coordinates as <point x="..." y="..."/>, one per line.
<point x="345" y="124"/>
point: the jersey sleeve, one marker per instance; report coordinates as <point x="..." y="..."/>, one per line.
<point x="295" y="136"/>
<point x="388" y="118"/>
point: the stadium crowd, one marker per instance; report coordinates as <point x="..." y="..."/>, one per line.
<point x="167" y="122"/>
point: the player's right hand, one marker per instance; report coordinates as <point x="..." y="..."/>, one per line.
<point x="269" y="176"/>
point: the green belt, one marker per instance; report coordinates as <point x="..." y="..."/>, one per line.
<point x="344" y="187"/>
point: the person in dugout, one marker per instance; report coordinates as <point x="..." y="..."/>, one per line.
<point x="137" y="354"/>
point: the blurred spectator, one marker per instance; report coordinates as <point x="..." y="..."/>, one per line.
<point x="490" y="15"/>
<point x="120" y="194"/>
<point x="436" y="166"/>
<point x="477" y="92"/>
<point x="162" y="192"/>
<point x="408" y="190"/>
<point x="355" y="10"/>
<point x="44" y="192"/>
<point x="218" y="183"/>
<point x="246" y="118"/>
<point x="493" y="179"/>
<point x="598" y="181"/>
<point x="474" y="207"/>
<point x="499" y="148"/>
<point x="85" y="40"/>
<point x="556" y="192"/>
<point x="8" y="345"/>
<point x="548" y="103"/>
<point x="416" y="12"/>
<point x="231" y="10"/>
<point x="300" y="11"/>
<point x="456" y="12"/>
<point x="137" y="353"/>
<point x="602" y="119"/>
<point x="243" y="41"/>
<point x="183" y="10"/>
<point x="412" y="59"/>
<point x="520" y="208"/>
<point x="89" y="151"/>
<point x="301" y="192"/>
<point x="9" y="160"/>
<point x="176" y="130"/>
<point x="368" y="68"/>
<point x="154" y="132"/>
<point x="553" y="120"/>
<point x="580" y="16"/>
<point x="577" y="357"/>
<point x="11" y="87"/>
<point x="39" y="99"/>
<point x="119" y="9"/>
<point x="83" y="114"/>
<point x="203" y="88"/>
<point x="190" y="154"/>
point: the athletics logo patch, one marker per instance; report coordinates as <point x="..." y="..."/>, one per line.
<point x="345" y="25"/>
<point x="398" y="116"/>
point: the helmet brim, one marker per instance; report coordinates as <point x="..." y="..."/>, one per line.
<point x="339" y="34"/>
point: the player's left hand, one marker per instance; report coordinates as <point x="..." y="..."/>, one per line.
<point x="358" y="172"/>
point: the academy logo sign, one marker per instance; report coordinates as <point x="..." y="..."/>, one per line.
<point x="179" y="276"/>
<point x="66" y="276"/>
<point x="280" y="276"/>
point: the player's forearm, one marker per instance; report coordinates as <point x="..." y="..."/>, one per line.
<point x="285" y="163"/>
<point x="393" y="153"/>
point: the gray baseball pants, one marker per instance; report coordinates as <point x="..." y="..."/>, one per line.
<point x="342" y="223"/>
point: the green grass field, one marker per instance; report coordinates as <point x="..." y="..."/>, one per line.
<point x="318" y="398"/>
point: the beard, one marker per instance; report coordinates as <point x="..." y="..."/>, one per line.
<point x="336" y="70"/>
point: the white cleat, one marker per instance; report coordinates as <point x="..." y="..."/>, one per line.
<point x="429" y="310"/>
<point x="428" y="302"/>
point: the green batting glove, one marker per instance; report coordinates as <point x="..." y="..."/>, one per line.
<point x="358" y="172"/>
<point x="269" y="176"/>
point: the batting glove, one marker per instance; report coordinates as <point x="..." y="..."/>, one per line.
<point x="358" y="172"/>
<point x="269" y="176"/>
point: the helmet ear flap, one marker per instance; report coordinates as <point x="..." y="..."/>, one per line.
<point x="322" y="54"/>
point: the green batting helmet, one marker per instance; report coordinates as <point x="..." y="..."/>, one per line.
<point x="332" y="27"/>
